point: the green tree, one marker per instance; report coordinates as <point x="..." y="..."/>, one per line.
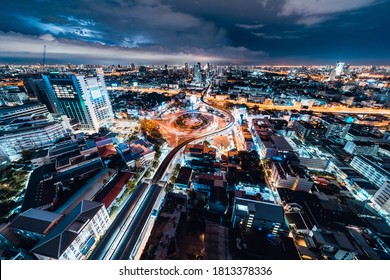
<point x="133" y="136"/>
<point x="26" y="154"/>
<point x="168" y="187"/>
<point x="155" y="163"/>
<point x="151" y="131"/>
<point x="249" y="159"/>
<point x="130" y="186"/>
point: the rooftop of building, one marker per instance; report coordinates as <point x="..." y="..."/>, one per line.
<point x="333" y="216"/>
<point x="362" y="240"/>
<point x="218" y="194"/>
<point x="354" y="131"/>
<point x="366" y="185"/>
<point x="267" y="247"/>
<point x="38" y="194"/>
<point x="333" y="238"/>
<point x="26" y="127"/>
<point x="174" y="201"/>
<point x="41" y="187"/>
<point x="58" y="240"/>
<point x="195" y="147"/>
<point x="222" y="141"/>
<point x="379" y="225"/>
<point x="7" y="110"/>
<point x="201" y="163"/>
<point x="199" y="149"/>
<point x="184" y="176"/>
<point x="103" y="141"/>
<point x="232" y="154"/>
<point x="288" y="167"/>
<point x="111" y="191"/>
<point x="107" y="150"/>
<point x="281" y="143"/>
<point x="296" y="220"/>
<point x="332" y="120"/>
<point x="208" y="179"/>
<point x="364" y="143"/>
<point x="135" y="149"/>
<point x="63" y="147"/>
<point x="17" y="121"/>
<point x="381" y="163"/>
<point x="39" y="154"/>
<point x="311" y="125"/>
<point x="262" y="210"/>
<point x="35" y="220"/>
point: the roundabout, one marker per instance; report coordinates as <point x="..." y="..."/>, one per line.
<point x="191" y="121"/>
<point x="177" y="127"/>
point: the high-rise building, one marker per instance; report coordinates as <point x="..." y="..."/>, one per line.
<point x="197" y="73"/>
<point x="12" y="95"/>
<point x="337" y="71"/>
<point x="335" y="127"/>
<point x="84" y="99"/>
<point x="339" y="68"/>
<point x="219" y="71"/>
<point x="374" y="169"/>
<point x="24" y="111"/>
<point x="29" y="127"/>
<point x="31" y="136"/>
<point x="38" y="88"/>
<point x="382" y="196"/>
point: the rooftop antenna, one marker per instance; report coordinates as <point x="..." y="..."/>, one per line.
<point x="44" y="56"/>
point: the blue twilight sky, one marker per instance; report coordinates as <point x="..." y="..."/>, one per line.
<point x="178" y="31"/>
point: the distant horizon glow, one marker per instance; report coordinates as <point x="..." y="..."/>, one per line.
<point x="175" y="32"/>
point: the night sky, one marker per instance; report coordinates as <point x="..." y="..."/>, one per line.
<point x="178" y="31"/>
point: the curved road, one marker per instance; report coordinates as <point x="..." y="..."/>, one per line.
<point x="130" y="238"/>
<point x="164" y="165"/>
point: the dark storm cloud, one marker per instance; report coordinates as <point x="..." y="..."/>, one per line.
<point x="175" y="31"/>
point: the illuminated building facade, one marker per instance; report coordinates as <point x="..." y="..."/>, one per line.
<point x="76" y="234"/>
<point x="339" y="68"/>
<point x="382" y="196"/>
<point x="83" y="99"/>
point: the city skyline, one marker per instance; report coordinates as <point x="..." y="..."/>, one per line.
<point x="270" y="163"/>
<point x="254" y="130"/>
<point x="173" y="32"/>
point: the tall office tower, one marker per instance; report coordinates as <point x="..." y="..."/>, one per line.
<point x="339" y="68"/>
<point x="84" y="99"/>
<point x="186" y="69"/>
<point x="197" y="73"/>
<point x="38" y="87"/>
<point x="219" y="71"/>
<point x="208" y="70"/>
